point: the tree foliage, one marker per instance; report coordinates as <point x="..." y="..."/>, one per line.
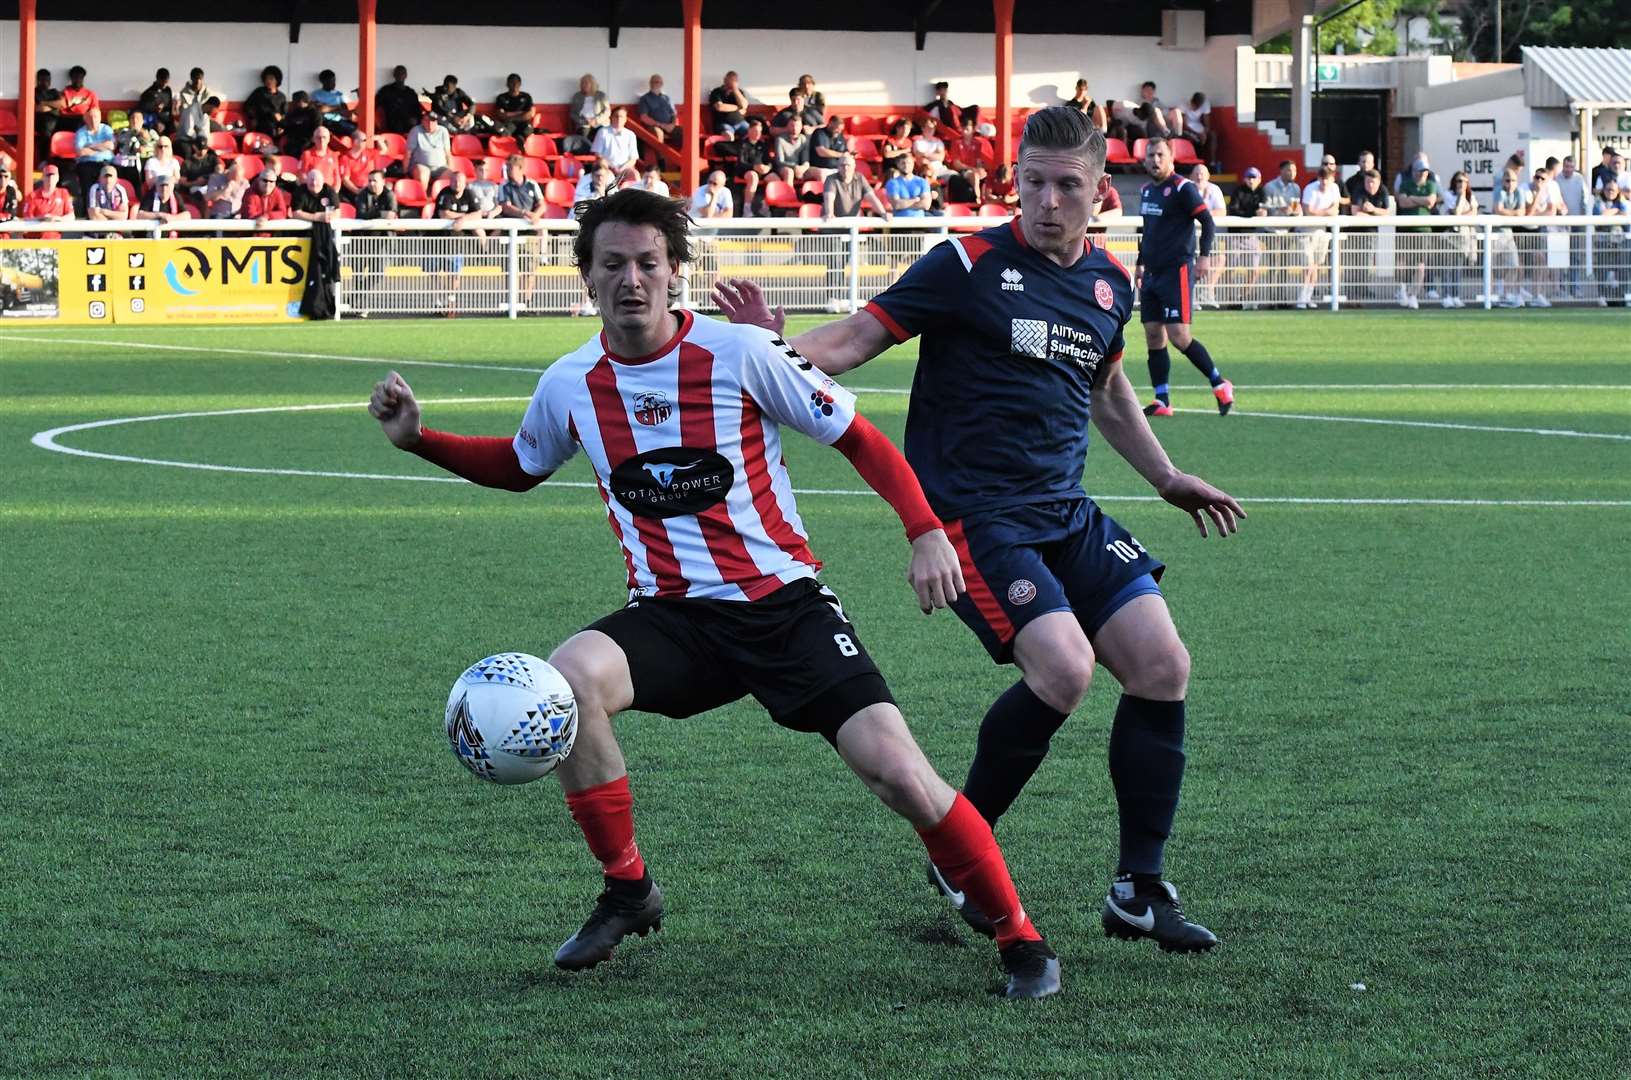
<point x="1468" y="27"/>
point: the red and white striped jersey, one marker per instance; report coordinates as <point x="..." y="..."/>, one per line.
<point x="686" y="446"/>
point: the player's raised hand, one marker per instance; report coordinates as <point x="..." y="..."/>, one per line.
<point x="935" y="573"/>
<point x="1199" y="498"/>
<point x="744" y="302"/>
<point x="396" y="409"/>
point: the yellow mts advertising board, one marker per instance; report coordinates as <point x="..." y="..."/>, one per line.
<point x="198" y="280"/>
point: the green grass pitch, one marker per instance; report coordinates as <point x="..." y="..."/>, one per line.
<point x="233" y="841"/>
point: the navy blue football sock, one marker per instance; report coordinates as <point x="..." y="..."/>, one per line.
<point x="1203" y="361"/>
<point x="1014" y="739"/>
<point x="1160" y="372"/>
<point x="1147" y="769"/>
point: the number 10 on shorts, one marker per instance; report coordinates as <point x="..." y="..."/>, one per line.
<point x="1124" y="551"/>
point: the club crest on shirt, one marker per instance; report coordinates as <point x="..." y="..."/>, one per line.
<point x="652" y="408"/>
<point x="1103" y="294"/>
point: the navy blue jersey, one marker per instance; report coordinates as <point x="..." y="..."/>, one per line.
<point x="1012" y="347"/>
<point x="1169" y="209"/>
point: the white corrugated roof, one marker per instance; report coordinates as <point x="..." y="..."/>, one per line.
<point x="1558" y="78"/>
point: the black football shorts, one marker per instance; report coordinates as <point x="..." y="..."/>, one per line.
<point x="795" y="651"/>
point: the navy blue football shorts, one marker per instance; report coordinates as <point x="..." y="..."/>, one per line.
<point x="1164" y="295"/>
<point x="1026" y="561"/>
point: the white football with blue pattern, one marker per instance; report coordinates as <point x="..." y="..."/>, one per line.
<point x="511" y="718"/>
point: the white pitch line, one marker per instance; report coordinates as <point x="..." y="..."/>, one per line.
<point x="47" y="440"/>
<point x="1425" y="424"/>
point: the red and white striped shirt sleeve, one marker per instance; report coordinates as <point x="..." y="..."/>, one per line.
<point x="544" y="441"/>
<point x="792" y="391"/>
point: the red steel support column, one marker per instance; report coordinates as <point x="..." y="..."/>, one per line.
<point x="1004" y="12"/>
<point x="25" y="95"/>
<point x="691" y="111"/>
<point x="367" y="64"/>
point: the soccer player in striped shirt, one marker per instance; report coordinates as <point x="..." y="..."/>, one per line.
<point x="1022" y="338"/>
<point x="680" y="419"/>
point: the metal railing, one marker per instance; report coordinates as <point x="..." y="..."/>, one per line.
<point x="511" y="268"/>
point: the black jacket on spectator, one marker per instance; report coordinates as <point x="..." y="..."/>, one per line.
<point x="308" y="201"/>
<point x="371" y="207"/>
<point x="298" y="127"/>
<point x="958" y="189"/>
<point x="451" y="104"/>
<point x="322" y="273"/>
<point x="459" y="204"/>
<point x="1246" y="202"/>
<point x="826" y="138"/>
<point x="749" y="154"/>
<point x="157" y="99"/>
<point x="508" y="102"/>
<point x="262" y="107"/>
<point x="399" y="108"/>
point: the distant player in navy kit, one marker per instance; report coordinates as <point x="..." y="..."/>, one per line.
<point x="1167" y="269"/>
<point x="1022" y="334"/>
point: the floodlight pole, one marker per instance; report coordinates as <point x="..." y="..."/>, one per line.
<point x="367" y="64"/>
<point x="691" y="117"/>
<point x="1003" y="10"/>
<point x="25" y="94"/>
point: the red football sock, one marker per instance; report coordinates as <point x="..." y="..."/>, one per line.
<point x="605" y="813"/>
<point x="967" y="854"/>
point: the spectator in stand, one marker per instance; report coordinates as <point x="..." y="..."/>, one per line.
<point x="376" y="201"/>
<point x="333" y="111"/>
<point x="1546" y="201"/>
<point x="512" y="110"/>
<point x="815" y="103"/>
<point x="157" y="104"/>
<point x="1321" y="198"/>
<point x="106" y="200"/>
<point x="321" y="158"/>
<point x="929" y="151"/>
<point x="797" y="119"/>
<point x="265" y="201"/>
<point x="713" y="199"/>
<point x="161" y="204"/>
<point x="958" y="187"/>
<point x="828" y="147"/>
<point x="652" y="180"/>
<point x="356" y="163"/>
<point x="1416" y="165"/>
<point x="908" y="196"/>
<point x="520" y="197"/>
<point x="1150" y="113"/>
<point x="1082" y="101"/>
<point x="1511" y="199"/>
<point x="1607" y="169"/>
<point x="1247" y="248"/>
<point x="941" y="109"/>
<point x="200" y="164"/>
<point x="1415" y="246"/>
<point x="792" y="151"/>
<point x="1195" y="124"/>
<point x="11" y="199"/>
<point x="430" y="150"/>
<point x="1106" y="207"/>
<point x="730" y="106"/>
<point x="1367" y="199"/>
<point x="589" y="111"/>
<point x="300" y="123"/>
<point x="1283" y="197"/>
<point x="1002" y="188"/>
<point x="163" y="163"/>
<point x="225" y="191"/>
<point x="453" y="105"/>
<point x="398" y="106"/>
<point x="847" y="192"/>
<point x="458" y="204"/>
<point x="1212" y="195"/>
<point x="595" y="183"/>
<point x="132" y="146"/>
<point x="93" y="148"/>
<point x="77" y="101"/>
<point x="192" y="110"/>
<point x="971" y="149"/>
<point x="266" y="105"/>
<point x="753" y="166"/>
<point x="1571" y="182"/>
<point x="48" y="107"/>
<point x="1329" y="161"/>
<point x="316" y="200"/>
<point x="1355" y="184"/>
<point x="656" y="111"/>
<point x="49" y="201"/>
<point x="1612" y="247"/>
<point x="1370" y="200"/>
<point x="616" y="145"/>
<point x="896" y="147"/>
<point x="1459" y="244"/>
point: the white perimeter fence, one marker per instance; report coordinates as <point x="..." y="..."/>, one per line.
<point x="510" y="268"/>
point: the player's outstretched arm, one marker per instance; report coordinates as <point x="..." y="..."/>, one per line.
<point x="833" y="347"/>
<point x="490" y="462"/>
<point x="1120" y="419"/>
<point x="935" y="573"/>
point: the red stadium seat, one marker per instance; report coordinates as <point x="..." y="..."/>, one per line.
<point x="535" y="168"/>
<point x="232" y="118"/>
<point x="347" y="211"/>
<point x="995" y="209"/>
<point x="502" y="146"/>
<point x="1183" y="152"/>
<point x="556" y="213"/>
<point x="396" y="146"/>
<point x="1116" y="153"/>
<point x="410" y="195"/>
<point x="865" y="149"/>
<point x="8" y="121"/>
<point x="492" y="168"/>
<point x="711" y="146"/>
<point x="254" y="140"/>
<point x="540" y="146"/>
<point x="779" y="195"/>
<point x="223" y="140"/>
<point x="1139" y="146"/>
<point x="467" y="145"/>
<point x="130" y="192"/>
<point x="865" y="168"/>
<point x="810" y="210"/>
<point x="62" y="145"/>
<point x="437" y="186"/>
<point x="811" y="187"/>
<point x="288" y="164"/>
<point x="559" y="192"/>
<point x="959" y="209"/>
<point x="861" y="125"/>
<point x="466" y="166"/>
<point x="568" y="168"/>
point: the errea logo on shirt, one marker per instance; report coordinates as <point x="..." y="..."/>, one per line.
<point x="1012" y="280"/>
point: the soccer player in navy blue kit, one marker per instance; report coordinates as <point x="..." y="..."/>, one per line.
<point x="1022" y="337"/>
<point x="1167" y="269"/>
